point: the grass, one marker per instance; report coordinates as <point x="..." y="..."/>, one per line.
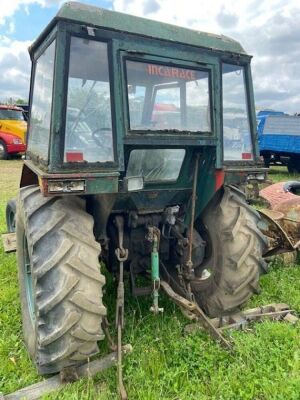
<point x="166" y="363"/>
<point x="277" y="174"/>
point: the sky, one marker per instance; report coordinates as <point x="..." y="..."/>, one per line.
<point x="268" y="29"/>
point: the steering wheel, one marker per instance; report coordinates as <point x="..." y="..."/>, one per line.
<point x="96" y="138"/>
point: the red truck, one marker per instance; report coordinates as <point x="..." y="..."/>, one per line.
<point x="10" y="144"/>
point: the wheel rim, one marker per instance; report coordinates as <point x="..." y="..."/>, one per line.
<point x="208" y="264"/>
<point x="28" y="279"/>
<point x="2" y="150"/>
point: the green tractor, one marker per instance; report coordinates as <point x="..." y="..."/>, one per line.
<point x="140" y="135"/>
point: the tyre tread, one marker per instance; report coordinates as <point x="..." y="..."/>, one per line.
<point x="241" y="245"/>
<point x="67" y="279"/>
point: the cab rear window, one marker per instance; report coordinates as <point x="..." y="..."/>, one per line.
<point x="168" y="98"/>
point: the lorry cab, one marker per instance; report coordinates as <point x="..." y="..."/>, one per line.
<point x="13" y="129"/>
<point x="12" y="121"/>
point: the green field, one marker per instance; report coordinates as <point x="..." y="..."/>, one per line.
<point x="166" y="363"/>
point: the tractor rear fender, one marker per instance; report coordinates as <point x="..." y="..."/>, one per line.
<point x="281" y="223"/>
<point x="278" y="240"/>
<point x="28" y="177"/>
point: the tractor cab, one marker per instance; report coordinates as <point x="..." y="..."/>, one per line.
<point x="124" y="104"/>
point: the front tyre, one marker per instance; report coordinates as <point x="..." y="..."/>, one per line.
<point x="3" y="151"/>
<point x="60" y="280"/>
<point x="235" y="259"/>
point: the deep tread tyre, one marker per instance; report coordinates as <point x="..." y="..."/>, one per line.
<point x="236" y="252"/>
<point x="11" y="215"/>
<point x="64" y="324"/>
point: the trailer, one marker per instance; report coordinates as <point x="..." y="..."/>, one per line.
<point x="279" y="139"/>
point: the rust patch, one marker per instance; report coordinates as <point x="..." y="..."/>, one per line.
<point x="283" y="225"/>
<point x="274" y="194"/>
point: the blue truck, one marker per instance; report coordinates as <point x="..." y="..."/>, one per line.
<point x="279" y="139"/>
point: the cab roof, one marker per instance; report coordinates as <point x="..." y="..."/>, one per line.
<point x="10" y="107"/>
<point x="101" y="18"/>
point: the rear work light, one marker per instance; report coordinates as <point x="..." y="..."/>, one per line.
<point x="66" y="186"/>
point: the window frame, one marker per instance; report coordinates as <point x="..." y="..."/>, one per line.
<point x="44" y="46"/>
<point x="249" y="98"/>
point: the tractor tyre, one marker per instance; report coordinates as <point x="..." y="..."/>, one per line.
<point x="60" y="280"/>
<point x="3" y="151"/>
<point x="11" y="215"/>
<point x="235" y="251"/>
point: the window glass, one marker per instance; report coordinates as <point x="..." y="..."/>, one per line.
<point x="88" y="135"/>
<point x="168" y="98"/>
<point x="166" y="109"/>
<point x="136" y="96"/>
<point x="156" y="164"/>
<point x="236" y="128"/>
<point x="13" y="115"/>
<point x="39" y="128"/>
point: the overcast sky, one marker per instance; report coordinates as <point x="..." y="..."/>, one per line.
<point x="267" y="29"/>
